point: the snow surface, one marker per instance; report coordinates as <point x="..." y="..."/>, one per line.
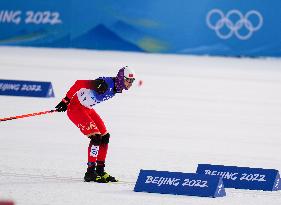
<point x="189" y="110"/>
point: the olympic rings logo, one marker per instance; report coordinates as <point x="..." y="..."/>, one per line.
<point x="226" y="26"/>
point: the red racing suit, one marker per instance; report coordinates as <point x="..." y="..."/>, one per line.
<point x="84" y="95"/>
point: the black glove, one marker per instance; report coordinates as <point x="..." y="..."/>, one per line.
<point x="62" y="106"/>
<point x="96" y="139"/>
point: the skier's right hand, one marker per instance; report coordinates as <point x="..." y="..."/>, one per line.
<point x="62" y="106"/>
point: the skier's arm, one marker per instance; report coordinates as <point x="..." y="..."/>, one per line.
<point x="98" y="85"/>
<point x="77" y="86"/>
<point x="62" y="106"/>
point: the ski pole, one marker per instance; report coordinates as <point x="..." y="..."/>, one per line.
<point x="27" y="115"/>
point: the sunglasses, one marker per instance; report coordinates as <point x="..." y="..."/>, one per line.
<point x="130" y="80"/>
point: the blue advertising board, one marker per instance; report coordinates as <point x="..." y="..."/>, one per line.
<point x="231" y="28"/>
<point x="243" y="177"/>
<point x="35" y="23"/>
<point x="26" y="88"/>
<point x="179" y="183"/>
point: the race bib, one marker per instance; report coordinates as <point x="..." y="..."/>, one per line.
<point x="94" y="151"/>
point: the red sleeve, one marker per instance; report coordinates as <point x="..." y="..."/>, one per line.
<point x="78" y="85"/>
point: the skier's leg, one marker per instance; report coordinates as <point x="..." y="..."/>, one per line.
<point x="103" y="148"/>
<point x="104" y="134"/>
<point x="91" y="174"/>
<point x="102" y="153"/>
<point x="82" y="119"/>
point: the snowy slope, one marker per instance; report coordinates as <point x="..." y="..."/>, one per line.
<point x="189" y="110"/>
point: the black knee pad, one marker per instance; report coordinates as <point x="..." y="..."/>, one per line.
<point x="105" y="139"/>
<point x="96" y="139"/>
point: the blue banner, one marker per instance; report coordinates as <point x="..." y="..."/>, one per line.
<point x="231" y="28"/>
<point x="243" y="177"/>
<point x="26" y="88"/>
<point x="178" y="183"/>
<point x="35" y="23"/>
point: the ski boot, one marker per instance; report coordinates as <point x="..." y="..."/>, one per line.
<point x="91" y="175"/>
<point x="105" y="176"/>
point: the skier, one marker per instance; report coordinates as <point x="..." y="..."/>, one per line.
<point x="79" y="103"/>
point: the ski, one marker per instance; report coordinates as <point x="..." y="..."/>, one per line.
<point x="57" y="178"/>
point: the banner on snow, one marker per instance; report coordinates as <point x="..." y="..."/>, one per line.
<point x="243" y="177"/>
<point x="179" y="183"/>
<point x="26" y="88"/>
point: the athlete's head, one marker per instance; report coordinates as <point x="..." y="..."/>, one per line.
<point x="124" y="79"/>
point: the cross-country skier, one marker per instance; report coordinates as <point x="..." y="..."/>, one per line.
<point x="79" y="103"/>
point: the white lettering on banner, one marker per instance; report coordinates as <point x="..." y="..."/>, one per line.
<point x="30" y="17"/>
<point x="253" y="177"/>
<point x="224" y="175"/>
<point x="159" y="181"/>
<point x="10" y="16"/>
<point x="220" y="188"/>
<point x="277" y="183"/>
<point x="42" y="17"/>
<point x="162" y="180"/>
<point x="35" y="88"/>
<point x="195" y="183"/>
<point x="233" y="176"/>
<point x="7" y="86"/>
